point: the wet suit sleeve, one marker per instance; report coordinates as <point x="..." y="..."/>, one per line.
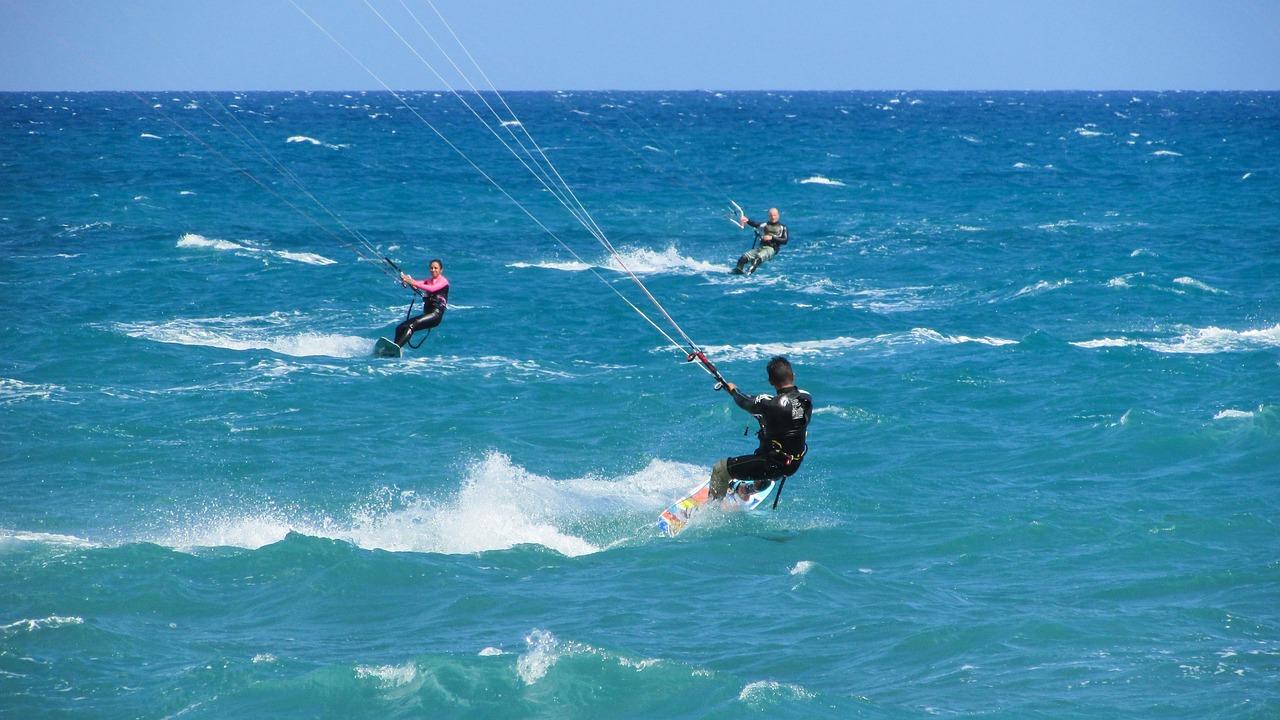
<point x="746" y="402"/>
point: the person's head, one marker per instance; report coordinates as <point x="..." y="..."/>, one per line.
<point x="780" y="373"/>
<point x="437" y="267"/>
<point x="773" y="215"/>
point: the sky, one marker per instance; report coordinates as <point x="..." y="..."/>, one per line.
<point x="77" y="45"/>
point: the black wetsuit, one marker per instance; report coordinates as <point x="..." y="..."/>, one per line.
<point x="784" y="422"/>
<point x="433" y="307"/>
<point x="777" y="230"/>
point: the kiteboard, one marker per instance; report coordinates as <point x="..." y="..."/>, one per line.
<point x="386" y="348"/>
<point x="675" y="518"/>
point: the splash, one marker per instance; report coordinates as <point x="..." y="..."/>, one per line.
<point x="263" y="332"/>
<point x="641" y="261"/>
<point x="499" y="506"/>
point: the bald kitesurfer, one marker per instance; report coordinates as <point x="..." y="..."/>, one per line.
<point x="773" y="235"/>
<point x="434" y="303"/>
<point x="784" y="422"/>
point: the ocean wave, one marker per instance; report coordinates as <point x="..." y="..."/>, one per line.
<point x="50" y="539"/>
<point x="388" y="676"/>
<point x="819" y="180"/>
<point x="641" y="261"/>
<point x="544" y="650"/>
<point x="53" y="621"/>
<point x="1196" y="284"/>
<point x="192" y="240"/>
<point x="1197" y="341"/>
<point x="303" y="139"/>
<point x="1041" y="287"/>
<point x="15" y="391"/>
<point x="803" y="348"/>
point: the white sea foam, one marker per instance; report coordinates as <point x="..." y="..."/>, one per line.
<point x="498" y="506"/>
<point x="543" y="650"/>
<point x="275" y="332"/>
<point x="1089" y="131"/>
<point x="802" y="568"/>
<point x="388" y="676"/>
<point x="151" y="137"/>
<point x="15" y="391"/>
<point x="1196" y="284"/>
<point x="1041" y="287"/>
<point x="804" y="348"/>
<point x="768" y="692"/>
<point x="933" y="336"/>
<point x="819" y="180"/>
<point x="1233" y="415"/>
<point x="1197" y="341"/>
<point x="1169" y="153"/>
<point x="50" y="539"/>
<point x="193" y="240"/>
<point x="303" y="139"/>
<point x="53" y="621"/>
<point x="641" y="261"/>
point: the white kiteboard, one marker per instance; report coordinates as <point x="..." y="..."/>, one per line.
<point x="386" y="348"/>
<point x="675" y="518"/>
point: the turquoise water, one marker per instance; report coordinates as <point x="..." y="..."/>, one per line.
<point x="1042" y="332"/>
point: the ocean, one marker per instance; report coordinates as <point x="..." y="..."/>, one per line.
<point x="1041" y="331"/>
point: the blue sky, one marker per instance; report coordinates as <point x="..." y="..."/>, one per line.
<point x="646" y="44"/>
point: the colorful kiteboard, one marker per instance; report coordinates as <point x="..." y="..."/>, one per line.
<point x="675" y="518"/>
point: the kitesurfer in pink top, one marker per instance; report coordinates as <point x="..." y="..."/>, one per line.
<point x="434" y="303"/>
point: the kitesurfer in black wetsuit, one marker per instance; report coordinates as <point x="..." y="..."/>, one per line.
<point x="784" y="422"/>
<point x="773" y="235"/>
<point x="434" y="303"/>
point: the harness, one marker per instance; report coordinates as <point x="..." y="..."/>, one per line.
<point x="787" y="458"/>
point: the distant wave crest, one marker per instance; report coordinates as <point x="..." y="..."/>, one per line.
<point x="193" y="240"/>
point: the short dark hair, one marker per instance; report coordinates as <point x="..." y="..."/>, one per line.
<point x="780" y="372"/>
<point x="436" y="261"/>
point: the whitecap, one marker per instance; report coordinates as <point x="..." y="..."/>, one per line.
<point x="1233" y="415"/>
<point x="803" y="567"/>
<point x="195" y="240"/>
<point x="272" y="332"/>
<point x="542" y="654"/>
<point x="14" y="391"/>
<point x="303" y="139"/>
<point x="1168" y="153"/>
<point x="934" y="336"/>
<point x="819" y="180"/>
<point x="1193" y="283"/>
<point x="1040" y="287"/>
<point x="768" y="692"/>
<point x="53" y="621"/>
<point x="1197" y="341"/>
<point x="641" y="261"/>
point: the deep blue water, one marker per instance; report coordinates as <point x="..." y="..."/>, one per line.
<point x="1042" y="331"/>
